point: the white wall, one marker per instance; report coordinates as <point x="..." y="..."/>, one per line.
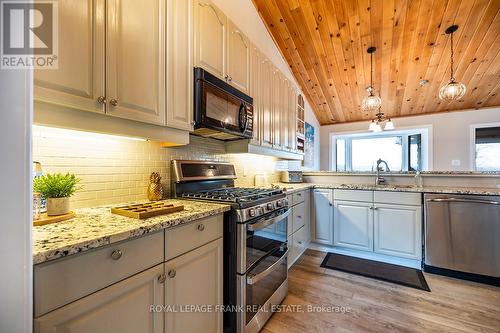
<point x="15" y="201"/>
<point x="246" y="17"/>
<point x="451" y="135"/>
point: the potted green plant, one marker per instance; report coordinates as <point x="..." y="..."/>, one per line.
<point x="57" y="188"/>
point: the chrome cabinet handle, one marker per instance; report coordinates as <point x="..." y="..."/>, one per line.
<point x="113" y="102"/>
<point x="200" y="227"/>
<point x="162" y="278"/>
<point x="101" y="100"/>
<point x="487" y="202"/>
<point x="171" y="273"/>
<point x="116" y="254"/>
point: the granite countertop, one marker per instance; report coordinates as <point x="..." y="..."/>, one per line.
<point x="403" y="173"/>
<point x="96" y="227"/>
<point x="290" y="188"/>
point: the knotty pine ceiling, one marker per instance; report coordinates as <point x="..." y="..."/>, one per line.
<point x="325" y="43"/>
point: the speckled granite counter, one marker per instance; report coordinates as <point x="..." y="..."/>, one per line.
<point x="425" y="189"/>
<point x="96" y="227"/>
<point x="290" y="188"/>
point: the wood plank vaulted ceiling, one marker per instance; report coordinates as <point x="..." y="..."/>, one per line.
<point x="325" y="43"/>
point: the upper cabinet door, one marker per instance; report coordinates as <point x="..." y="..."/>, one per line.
<point x="254" y="91"/>
<point x="277" y="104"/>
<point x="266" y="97"/>
<point x="79" y="80"/>
<point x="179" y="101"/>
<point x="135" y="60"/>
<point x="292" y="119"/>
<point x="238" y="58"/>
<point x="210" y="38"/>
<point x="285" y="91"/>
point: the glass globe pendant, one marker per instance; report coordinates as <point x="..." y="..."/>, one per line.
<point x="453" y="90"/>
<point x="371" y="102"/>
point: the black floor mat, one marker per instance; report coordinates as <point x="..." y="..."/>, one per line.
<point x="405" y="276"/>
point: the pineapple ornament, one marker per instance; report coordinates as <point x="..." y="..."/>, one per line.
<point x="155" y="191"/>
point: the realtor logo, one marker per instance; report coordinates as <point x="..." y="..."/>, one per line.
<point x="28" y="34"/>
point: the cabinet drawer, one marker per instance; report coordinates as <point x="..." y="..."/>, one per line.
<point x="65" y="280"/>
<point x="298" y="216"/>
<point x="190" y="236"/>
<point x="298" y="197"/>
<point x="353" y="195"/>
<point x="398" y="198"/>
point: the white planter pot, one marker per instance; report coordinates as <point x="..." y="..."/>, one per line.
<point x="57" y="206"/>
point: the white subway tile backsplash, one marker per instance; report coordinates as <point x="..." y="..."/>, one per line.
<point x="117" y="170"/>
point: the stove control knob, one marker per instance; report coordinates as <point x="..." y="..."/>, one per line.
<point x="260" y="211"/>
<point x="279" y="203"/>
<point x="251" y="212"/>
<point x="270" y="206"/>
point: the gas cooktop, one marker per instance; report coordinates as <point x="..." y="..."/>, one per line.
<point x="236" y="194"/>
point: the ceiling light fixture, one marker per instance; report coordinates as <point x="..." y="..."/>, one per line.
<point x="371" y="102"/>
<point x="453" y="90"/>
<point x="376" y="124"/>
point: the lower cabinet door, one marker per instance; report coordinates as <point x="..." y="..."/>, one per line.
<point x="353" y="225"/>
<point x="193" y="284"/>
<point x="125" y="307"/>
<point x="322" y="225"/>
<point x="398" y="230"/>
<point x="298" y="244"/>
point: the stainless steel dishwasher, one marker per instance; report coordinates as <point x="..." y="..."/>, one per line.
<point x="462" y="236"/>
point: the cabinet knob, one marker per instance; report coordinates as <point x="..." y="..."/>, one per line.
<point x="162" y="278"/>
<point x="116" y="254"/>
<point x="113" y="102"/>
<point x="299" y="216"/>
<point x="171" y="273"/>
<point x="201" y="227"/>
<point x="300" y="242"/>
<point x="230" y="79"/>
<point x="101" y="100"/>
<point x="226" y="77"/>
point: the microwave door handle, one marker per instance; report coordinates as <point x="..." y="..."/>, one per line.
<point x="253" y="279"/>
<point x="262" y="223"/>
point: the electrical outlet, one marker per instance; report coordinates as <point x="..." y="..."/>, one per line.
<point x="455" y="163"/>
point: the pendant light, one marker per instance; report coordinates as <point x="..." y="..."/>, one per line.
<point x="371" y="102"/>
<point x="376" y="124"/>
<point x="453" y="90"/>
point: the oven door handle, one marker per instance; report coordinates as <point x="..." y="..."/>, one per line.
<point x="262" y="223"/>
<point x="253" y="279"/>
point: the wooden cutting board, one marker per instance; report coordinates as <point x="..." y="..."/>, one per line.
<point x="147" y="210"/>
<point x="45" y="219"/>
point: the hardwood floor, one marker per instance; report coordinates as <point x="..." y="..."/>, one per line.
<point x="377" y="306"/>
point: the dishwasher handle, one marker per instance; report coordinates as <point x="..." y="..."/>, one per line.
<point x="487" y="202"/>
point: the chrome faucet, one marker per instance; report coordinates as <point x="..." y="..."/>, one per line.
<point x="381" y="180"/>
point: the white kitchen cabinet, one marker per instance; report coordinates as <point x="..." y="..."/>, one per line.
<point x="277" y="105"/>
<point x="398" y="230"/>
<point x="122" y="308"/>
<point x="322" y="226"/>
<point x="195" y="278"/>
<point x="210" y="38"/>
<point x="353" y="227"/>
<point x="238" y="58"/>
<point x="284" y="114"/>
<point x="292" y="119"/>
<point x="267" y="74"/>
<point x="255" y="91"/>
<point x="135" y="60"/>
<point x="79" y="80"/>
<point x="179" y="101"/>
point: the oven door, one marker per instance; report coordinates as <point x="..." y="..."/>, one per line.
<point x="260" y="237"/>
<point x="262" y="284"/>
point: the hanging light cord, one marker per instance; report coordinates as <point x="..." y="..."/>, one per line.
<point x="451" y="41"/>
<point x="371" y="72"/>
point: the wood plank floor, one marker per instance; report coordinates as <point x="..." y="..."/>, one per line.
<point x="377" y="306"/>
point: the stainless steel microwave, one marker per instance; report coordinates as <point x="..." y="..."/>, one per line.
<point x="220" y="111"/>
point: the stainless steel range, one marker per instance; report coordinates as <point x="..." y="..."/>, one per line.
<point x="255" y="240"/>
